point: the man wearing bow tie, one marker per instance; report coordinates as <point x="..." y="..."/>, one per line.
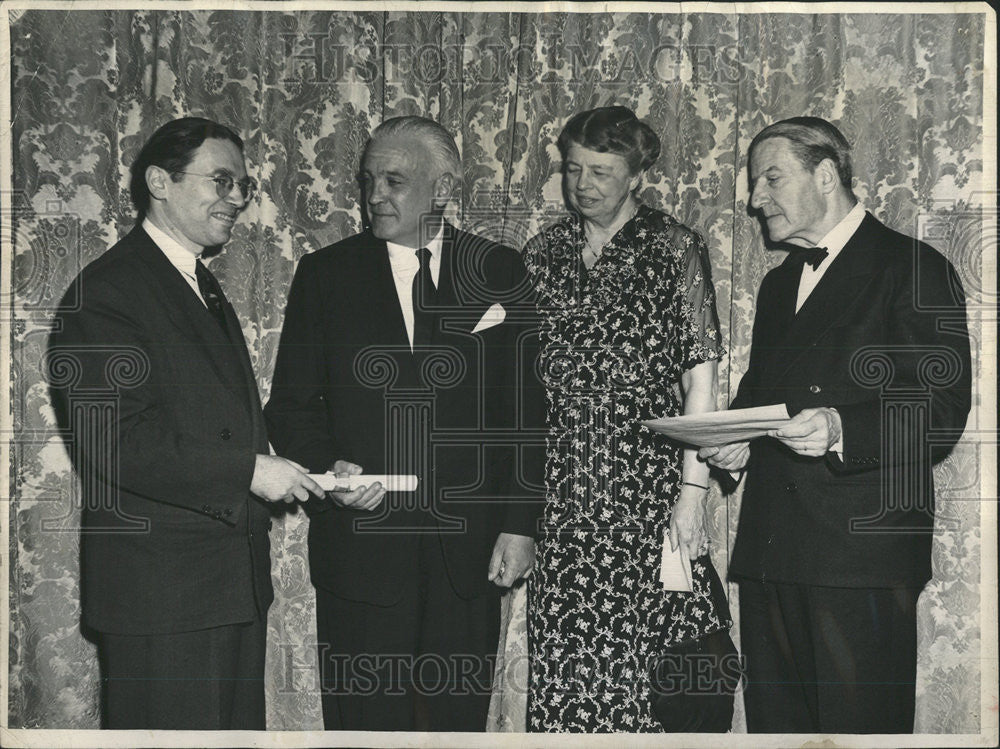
<point x="410" y="349"/>
<point x="862" y="333"/>
<point x="152" y="382"/>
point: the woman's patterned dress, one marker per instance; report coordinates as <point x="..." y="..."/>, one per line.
<point x="615" y="341"/>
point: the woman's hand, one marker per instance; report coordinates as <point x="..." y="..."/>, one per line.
<point x="687" y="524"/>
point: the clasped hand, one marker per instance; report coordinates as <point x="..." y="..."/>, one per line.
<point x="731" y="457"/>
<point x="812" y="431"/>
<point x="366" y="498"/>
<point x="513" y="558"/>
<point x="687" y="523"/>
<point x="277" y="479"/>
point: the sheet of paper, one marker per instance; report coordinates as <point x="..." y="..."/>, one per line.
<point x="721" y="427"/>
<point x="675" y="567"/>
<point x="394" y="483"/>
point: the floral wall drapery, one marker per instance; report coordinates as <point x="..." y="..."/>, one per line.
<point x="305" y="87"/>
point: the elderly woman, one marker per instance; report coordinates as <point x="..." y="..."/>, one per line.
<point x="628" y="314"/>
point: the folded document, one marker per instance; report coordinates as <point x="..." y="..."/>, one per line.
<point x="722" y="427"/>
<point x="675" y="567"/>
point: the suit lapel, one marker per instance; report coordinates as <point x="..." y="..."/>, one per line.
<point x="446" y="293"/>
<point x="249" y="379"/>
<point x="774" y="316"/>
<point x="456" y="298"/>
<point x="182" y="305"/>
<point x="840" y="288"/>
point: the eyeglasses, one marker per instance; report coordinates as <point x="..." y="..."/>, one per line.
<point x="224" y="184"/>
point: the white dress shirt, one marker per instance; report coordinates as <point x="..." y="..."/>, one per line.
<point x="404" y="263"/>
<point x="179" y="256"/>
<point x="834" y="242"/>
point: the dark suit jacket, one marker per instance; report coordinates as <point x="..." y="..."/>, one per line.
<point x="164" y="420"/>
<point x="346" y="386"/>
<point x="883" y="339"/>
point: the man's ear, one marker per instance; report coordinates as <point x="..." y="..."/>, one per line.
<point x="444" y="188"/>
<point x="156" y="181"/>
<point x="826" y="176"/>
<point x="444" y="185"/>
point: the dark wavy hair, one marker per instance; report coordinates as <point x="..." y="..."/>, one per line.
<point x="812" y="139"/>
<point x="172" y="148"/>
<point x="612" y="130"/>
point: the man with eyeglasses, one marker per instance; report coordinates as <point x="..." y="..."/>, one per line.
<point x="154" y="387"/>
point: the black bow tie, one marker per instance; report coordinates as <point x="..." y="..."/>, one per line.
<point x="812" y="255"/>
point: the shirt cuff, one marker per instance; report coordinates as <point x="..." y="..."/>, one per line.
<point x="838" y="446"/>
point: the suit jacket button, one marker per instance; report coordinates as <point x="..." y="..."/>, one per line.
<point x="225" y="433"/>
<point x="791" y="487"/>
<point x="815" y="389"/>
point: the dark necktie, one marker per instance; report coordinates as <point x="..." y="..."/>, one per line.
<point x="812" y="255"/>
<point x="424" y="295"/>
<point x="211" y="292"/>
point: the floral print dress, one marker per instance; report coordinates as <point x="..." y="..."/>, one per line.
<point x="615" y="341"/>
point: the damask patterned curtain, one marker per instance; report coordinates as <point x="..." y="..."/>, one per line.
<point x="304" y="88"/>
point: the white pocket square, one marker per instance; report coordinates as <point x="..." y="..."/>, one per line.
<point x="494" y="316"/>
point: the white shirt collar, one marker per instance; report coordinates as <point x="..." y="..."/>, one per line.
<point x="180" y="256"/>
<point x="838" y="236"/>
<point x="834" y="242"/>
<point x="401" y="256"/>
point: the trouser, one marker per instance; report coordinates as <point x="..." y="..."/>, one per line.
<point x="425" y="663"/>
<point x="203" y="680"/>
<point x="828" y="660"/>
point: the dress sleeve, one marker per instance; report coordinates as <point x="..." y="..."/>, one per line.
<point x="696" y="322"/>
<point x="532" y="254"/>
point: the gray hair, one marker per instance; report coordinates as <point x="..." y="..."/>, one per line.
<point x="812" y="140"/>
<point x="438" y="140"/>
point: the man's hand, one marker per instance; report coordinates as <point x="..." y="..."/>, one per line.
<point x="364" y="497"/>
<point x="687" y="523"/>
<point x="277" y="479"/>
<point x="732" y="457"/>
<point x="513" y="557"/>
<point x="812" y="432"/>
